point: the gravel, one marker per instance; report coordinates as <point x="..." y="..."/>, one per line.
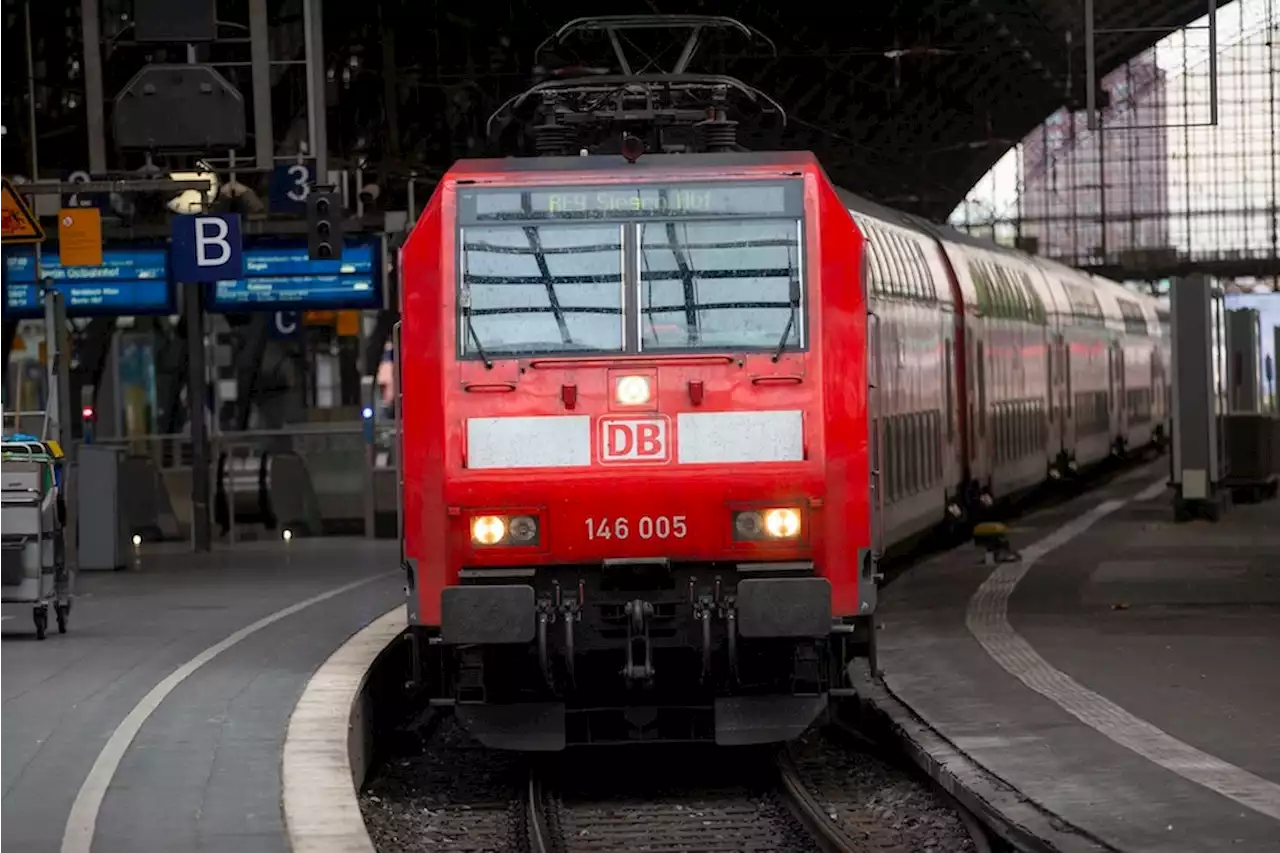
<point x="675" y="799"/>
<point x="876" y="802"/>
<point x="455" y="795"/>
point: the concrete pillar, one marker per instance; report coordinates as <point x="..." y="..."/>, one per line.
<point x="1198" y="375"/>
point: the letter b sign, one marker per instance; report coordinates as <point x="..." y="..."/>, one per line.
<point x="206" y="248"/>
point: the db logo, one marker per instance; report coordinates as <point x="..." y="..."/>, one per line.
<point x="635" y="439"/>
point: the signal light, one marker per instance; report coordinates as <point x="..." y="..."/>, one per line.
<point x="86" y="413"/>
<point x="324" y="225"/>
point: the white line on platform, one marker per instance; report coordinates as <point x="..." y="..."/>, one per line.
<point x="320" y="806"/>
<point x="987" y="619"/>
<point x="78" y="835"/>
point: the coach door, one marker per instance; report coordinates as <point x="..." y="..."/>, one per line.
<point x="1119" y="417"/>
<point x="1063" y="430"/>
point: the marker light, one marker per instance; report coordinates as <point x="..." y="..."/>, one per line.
<point x="287" y="534"/>
<point x="782" y="523"/>
<point x="632" y="390"/>
<point x="487" y="529"/>
<point x="524" y="530"/>
<point x="137" y="540"/>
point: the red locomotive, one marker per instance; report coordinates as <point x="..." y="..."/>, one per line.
<point x="662" y="413"/>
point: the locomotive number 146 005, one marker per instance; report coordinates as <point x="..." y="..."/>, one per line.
<point x="644" y="527"/>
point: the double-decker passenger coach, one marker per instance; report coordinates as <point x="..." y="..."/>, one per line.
<point x="635" y="445"/>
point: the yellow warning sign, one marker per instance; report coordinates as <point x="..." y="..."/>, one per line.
<point x="20" y="224"/>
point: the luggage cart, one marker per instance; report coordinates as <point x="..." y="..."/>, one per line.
<point x="32" y="515"/>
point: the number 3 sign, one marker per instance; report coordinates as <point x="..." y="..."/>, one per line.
<point x="290" y="185"/>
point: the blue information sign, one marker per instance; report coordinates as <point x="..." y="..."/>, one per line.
<point x="130" y="281"/>
<point x="281" y="275"/>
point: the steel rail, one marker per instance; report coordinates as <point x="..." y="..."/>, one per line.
<point x="828" y="835"/>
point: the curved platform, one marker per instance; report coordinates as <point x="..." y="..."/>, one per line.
<point x="158" y="722"/>
<point x="1121" y="677"/>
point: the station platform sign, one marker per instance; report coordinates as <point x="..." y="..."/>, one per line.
<point x="280" y="275"/>
<point x="127" y="282"/>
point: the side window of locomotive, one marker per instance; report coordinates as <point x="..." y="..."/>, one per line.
<point x="718" y="284"/>
<point x="541" y="287"/>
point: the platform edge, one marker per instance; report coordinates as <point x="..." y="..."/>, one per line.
<point x="1001" y="807"/>
<point x="319" y="798"/>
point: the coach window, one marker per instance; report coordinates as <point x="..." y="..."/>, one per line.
<point x="719" y="284"/>
<point x="909" y="285"/>
<point x="980" y="285"/>
<point x="885" y="256"/>
<point x="1004" y="298"/>
<point x="1037" y="303"/>
<point x="544" y="287"/>
<point x="876" y="262"/>
<point x="926" y="277"/>
<point x="1017" y="300"/>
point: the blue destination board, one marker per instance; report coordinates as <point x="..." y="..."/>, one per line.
<point x="130" y="281"/>
<point x="282" y="276"/>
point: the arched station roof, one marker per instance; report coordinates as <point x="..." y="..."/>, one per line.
<point x="908" y="103"/>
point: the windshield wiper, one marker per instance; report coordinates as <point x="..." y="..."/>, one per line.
<point x="791" y="319"/>
<point x="465" y="300"/>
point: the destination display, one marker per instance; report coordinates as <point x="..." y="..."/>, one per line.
<point x="634" y="202"/>
<point x="129" y="282"/>
<point x="282" y="276"/>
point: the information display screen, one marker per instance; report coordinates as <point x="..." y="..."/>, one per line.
<point x="129" y="282"/>
<point x="280" y="275"/>
<point x="661" y="201"/>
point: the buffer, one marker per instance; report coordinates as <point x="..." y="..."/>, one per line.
<point x="20" y="224"/>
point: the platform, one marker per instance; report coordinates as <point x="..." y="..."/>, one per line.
<point x="1123" y="676"/>
<point x="202" y="658"/>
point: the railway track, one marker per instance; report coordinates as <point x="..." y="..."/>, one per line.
<point x="763" y="802"/>
<point x="822" y="794"/>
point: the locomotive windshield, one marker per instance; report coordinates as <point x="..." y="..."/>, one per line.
<point x="631" y="269"/>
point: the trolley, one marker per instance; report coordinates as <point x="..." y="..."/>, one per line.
<point x="32" y="516"/>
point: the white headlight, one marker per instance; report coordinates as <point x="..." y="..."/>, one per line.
<point x="782" y="523"/>
<point x="488" y="529"/>
<point x="632" y="390"/>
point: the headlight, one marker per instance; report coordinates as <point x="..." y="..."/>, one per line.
<point x="782" y="523"/>
<point x="632" y="390"/>
<point x="778" y="523"/>
<point x="488" y="529"/>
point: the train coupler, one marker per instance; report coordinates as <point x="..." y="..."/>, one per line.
<point x="639" y="666"/>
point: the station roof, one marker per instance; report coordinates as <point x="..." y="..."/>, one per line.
<point x="912" y="103"/>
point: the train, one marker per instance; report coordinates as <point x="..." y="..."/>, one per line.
<point x="662" y="416"/>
